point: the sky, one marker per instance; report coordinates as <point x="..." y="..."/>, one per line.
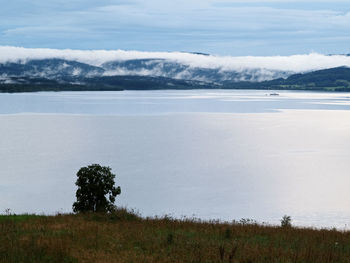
<point x="218" y="27"/>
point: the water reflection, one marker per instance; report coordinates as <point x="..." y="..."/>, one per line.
<point x="290" y="158"/>
<point x="162" y="102"/>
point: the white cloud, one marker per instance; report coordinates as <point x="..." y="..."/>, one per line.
<point x="261" y="26"/>
<point x="295" y="63"/>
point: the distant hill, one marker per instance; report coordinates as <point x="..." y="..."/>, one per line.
<point x="108" y="83"/>
<point x="66" y="71"/>
<point x="334" y="79"/>
<point x="146" y="74"/>
<point x="337" y="79"/>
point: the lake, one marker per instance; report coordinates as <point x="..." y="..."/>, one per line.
<point x="211" y="154"/>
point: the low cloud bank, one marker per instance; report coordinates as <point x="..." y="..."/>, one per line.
<point x="294" y="63"/>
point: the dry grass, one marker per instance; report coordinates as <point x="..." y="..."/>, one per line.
<point x="125" y="237"/>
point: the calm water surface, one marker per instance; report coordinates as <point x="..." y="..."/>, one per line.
<point x="204" y="153"/>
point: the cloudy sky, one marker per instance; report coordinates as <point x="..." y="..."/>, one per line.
<point x="222" y="27"/>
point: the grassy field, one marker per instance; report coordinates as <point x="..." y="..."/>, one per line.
<point x="125" y="237"/>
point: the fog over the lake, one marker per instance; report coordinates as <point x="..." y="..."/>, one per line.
<point x="207" y="153"/>
<point x="293" y="63"/>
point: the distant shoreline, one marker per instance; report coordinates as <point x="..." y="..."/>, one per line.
<point x="334" y="79"/>
<point x="14" y="88"/>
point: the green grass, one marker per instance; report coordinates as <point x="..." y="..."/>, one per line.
<point x="18" y="218"/>
<point x="126" y="237"/>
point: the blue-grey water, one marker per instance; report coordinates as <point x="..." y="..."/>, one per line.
<point x="212" y="154"/>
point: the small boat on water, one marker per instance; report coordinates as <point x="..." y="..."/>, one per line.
<point x="274" y="94"/>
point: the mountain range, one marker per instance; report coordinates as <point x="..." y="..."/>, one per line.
<point x="137" y="74"/>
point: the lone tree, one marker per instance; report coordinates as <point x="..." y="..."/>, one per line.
<point x="286" y="221"/>
<point x="96" y="191"/>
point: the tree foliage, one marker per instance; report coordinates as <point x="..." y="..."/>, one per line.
<point x="286" y="221"/>
<point x="96" y="191"/>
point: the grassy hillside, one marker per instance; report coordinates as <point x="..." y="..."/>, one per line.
<point x="125" y="237"/>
